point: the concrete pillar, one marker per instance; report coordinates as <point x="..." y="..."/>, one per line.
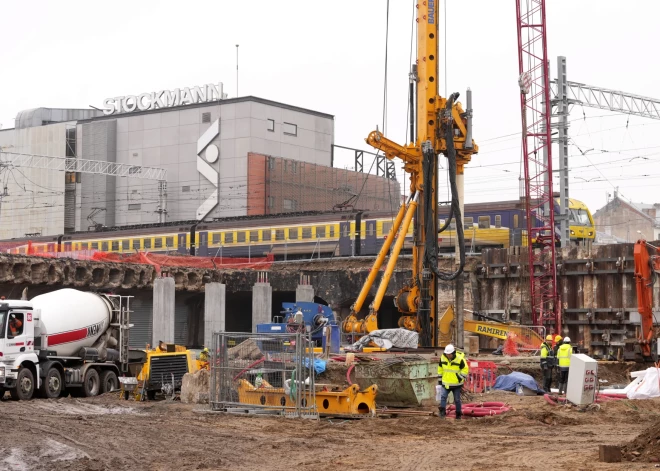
<point x="163" y="312"/>
<point x="262" y="304"/>
<point x="305" y="294"/>
<point x="214" y="311"/>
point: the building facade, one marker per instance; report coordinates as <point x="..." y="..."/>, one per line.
<point x="211" y="150"/>
<point x="623" y="221"/>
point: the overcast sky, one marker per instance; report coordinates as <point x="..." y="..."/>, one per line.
<point x="329" y="56"/>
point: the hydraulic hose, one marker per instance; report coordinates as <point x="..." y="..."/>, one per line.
<point x="431" y="250"/>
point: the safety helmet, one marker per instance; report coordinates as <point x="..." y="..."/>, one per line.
<point x="450" y="349"/>
<point x="206" y="350"/>
<point x="557" y="338"/>
<point x="549" y="338"/>
<point x="567" y="340"/>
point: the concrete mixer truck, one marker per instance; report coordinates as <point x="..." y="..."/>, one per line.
<point x="63" y="341"/>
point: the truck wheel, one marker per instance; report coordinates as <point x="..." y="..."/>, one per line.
<point x="51" y="386"/>
<point x="91" y="384"/>
<point x="109" y="381"/>
<point x="24" y="386"/>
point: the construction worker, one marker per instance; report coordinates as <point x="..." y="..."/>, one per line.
<point x="204" y="355"/>
<point x="558" y="341"/>
<point x="564" y="359"/>
<point x="547" y="362"/>
<point x="452" y="371"/>
<point x="15" y="326"/>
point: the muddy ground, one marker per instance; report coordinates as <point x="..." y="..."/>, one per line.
<point x="104" y="433"/>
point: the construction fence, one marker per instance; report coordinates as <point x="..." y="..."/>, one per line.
<point x="263" y="373"/>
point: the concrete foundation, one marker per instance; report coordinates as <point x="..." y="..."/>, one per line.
<point x="305" y="294"/>
<point x="214" y="311"/>
<point x="163" y="313"/>
<point x="262" y="304"/>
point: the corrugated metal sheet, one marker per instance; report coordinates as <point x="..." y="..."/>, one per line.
<point x="142" y="320"/>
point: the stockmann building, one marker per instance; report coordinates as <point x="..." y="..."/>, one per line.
<point x="168" y="155"/>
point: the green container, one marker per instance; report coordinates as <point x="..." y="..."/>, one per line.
<point x="407" y="384"/>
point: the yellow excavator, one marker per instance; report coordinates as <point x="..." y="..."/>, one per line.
<point x="443" y="127"/>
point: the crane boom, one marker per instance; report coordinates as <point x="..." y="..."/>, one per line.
<point x="442" y="127"/>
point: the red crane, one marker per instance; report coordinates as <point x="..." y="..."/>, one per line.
<point x="537" y="158"/>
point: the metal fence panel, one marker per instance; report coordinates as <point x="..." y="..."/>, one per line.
<point x="263" y="372"/>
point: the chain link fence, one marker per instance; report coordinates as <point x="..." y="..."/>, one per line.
<point x="259" y="373"/>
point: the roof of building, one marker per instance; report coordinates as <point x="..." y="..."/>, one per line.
<point x="41" y="116"/>
<point x="637" y="207"/>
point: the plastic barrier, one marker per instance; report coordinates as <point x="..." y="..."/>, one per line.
<point x="481" y="377"/>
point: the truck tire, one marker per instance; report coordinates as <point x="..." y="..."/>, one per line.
<point x="91" y="384"/>
<point x="51" y="386"/>
<point x="24" y="386"/>
<point x="109" y="381"/>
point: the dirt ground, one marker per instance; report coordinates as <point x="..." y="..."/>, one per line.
<point x="104" y="433"/>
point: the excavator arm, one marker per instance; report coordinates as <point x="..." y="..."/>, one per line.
<point x="646" y="269"/>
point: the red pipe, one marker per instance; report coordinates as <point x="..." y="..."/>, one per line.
<point x="348" y="375"/>
<point x="251" y="366"/>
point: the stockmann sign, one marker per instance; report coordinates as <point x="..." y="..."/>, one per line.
<point x="163" y="99"/>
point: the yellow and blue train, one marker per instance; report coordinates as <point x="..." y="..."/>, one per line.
<point x="295" y="236"/>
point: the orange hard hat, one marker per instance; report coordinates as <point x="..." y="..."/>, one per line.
<point x="549" y="338"/>
<point x="557" y="338"/>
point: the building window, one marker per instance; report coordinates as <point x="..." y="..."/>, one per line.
<point x="240" y="236"/>
<point x="271" y="201"/>
<point x="293" y="234"/>
<point x="294" y="167"/>
<point x="254" y="236"/>
<point x="290" y="129"/>
<point x="135" y="207"/>
<point x="498" y="221"/>
<point x="484" y="222"/>
<point x="206" y="117"/>
<point x="216" y="237"/>
<point x="271" y="125"/>
<point x="279" y="234"/>
<point x="134" y="192"/>
<point x="307" y="233"/>
<point x="271" y="163"/>
<point x="265" y="235"/>
<point x="289" y="205"/>
<point x="185" y="189"/>
<point x="320" y="232"/>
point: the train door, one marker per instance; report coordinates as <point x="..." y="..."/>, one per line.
<point x="345" y="249"/>
<point x="370" y="241"/>
<point x="181" y="243"/>
<point x="203" y="248"/>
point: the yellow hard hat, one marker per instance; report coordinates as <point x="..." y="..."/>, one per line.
<point x="549" y="338"/>
<point x="557" y="338"/>
<point x="206" y="350"/>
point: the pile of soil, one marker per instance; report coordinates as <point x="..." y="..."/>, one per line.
<point x="646" y="447"/>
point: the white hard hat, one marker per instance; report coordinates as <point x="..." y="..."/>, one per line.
<point x="567" y="340"/>
<point x="449" y="349"/>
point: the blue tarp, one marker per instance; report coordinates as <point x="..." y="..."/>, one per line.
<point x="511" y="381"/>
<point x="319" y="365"/>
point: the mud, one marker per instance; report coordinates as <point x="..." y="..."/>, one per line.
<point x="105" y="433"/>
<point x="645" y="447"/>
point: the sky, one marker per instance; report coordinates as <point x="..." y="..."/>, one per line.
<point x="330" y="57"/>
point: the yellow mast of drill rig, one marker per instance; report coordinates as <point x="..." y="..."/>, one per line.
<point x="442" y="127"/>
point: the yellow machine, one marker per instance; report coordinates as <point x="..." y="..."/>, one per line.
<point x="350" y="401"/>
<point x="162" y="370"/>
<point x="442" y="127"/>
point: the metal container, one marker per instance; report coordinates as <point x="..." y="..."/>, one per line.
<point x="403" y="384"/>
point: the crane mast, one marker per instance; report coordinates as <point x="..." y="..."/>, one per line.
<point x="442" y="127"/>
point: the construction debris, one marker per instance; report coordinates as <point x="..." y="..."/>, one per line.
<point x="195" y="387"/>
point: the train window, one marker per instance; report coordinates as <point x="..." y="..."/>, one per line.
<point x="136" y="244"/>
<point x="345" y="230"/>
<point x="229" y="237"/>
<point x="387" y="227"/>
<point x="158" y="243"/>
<point x="94" y="245"/>
<point x="216" y="237"/>
<point x="515" y="221"/>
<point x="147" y="243"/>
<point x="452" y="225"/>
<point x="125" y="244"/>
<point x="468" y="223"/>
<point x="104" y="246"/>
<point x="484" y="222"/>
<point x="320" y="232"/>
<point x="279" y="234"/>
<point x="370" y="230"/>
<point x="307" y="233"/>
<point x="293" y="233"/>
<point x="115" y="245"/>
<point x="265" y="234"/>
<point x="254" y="236"/>
<point x="498" y="221"/>
<point x="240" y="236"/>
<point x="169" y="241"/>
<point x="332" y="233"/>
